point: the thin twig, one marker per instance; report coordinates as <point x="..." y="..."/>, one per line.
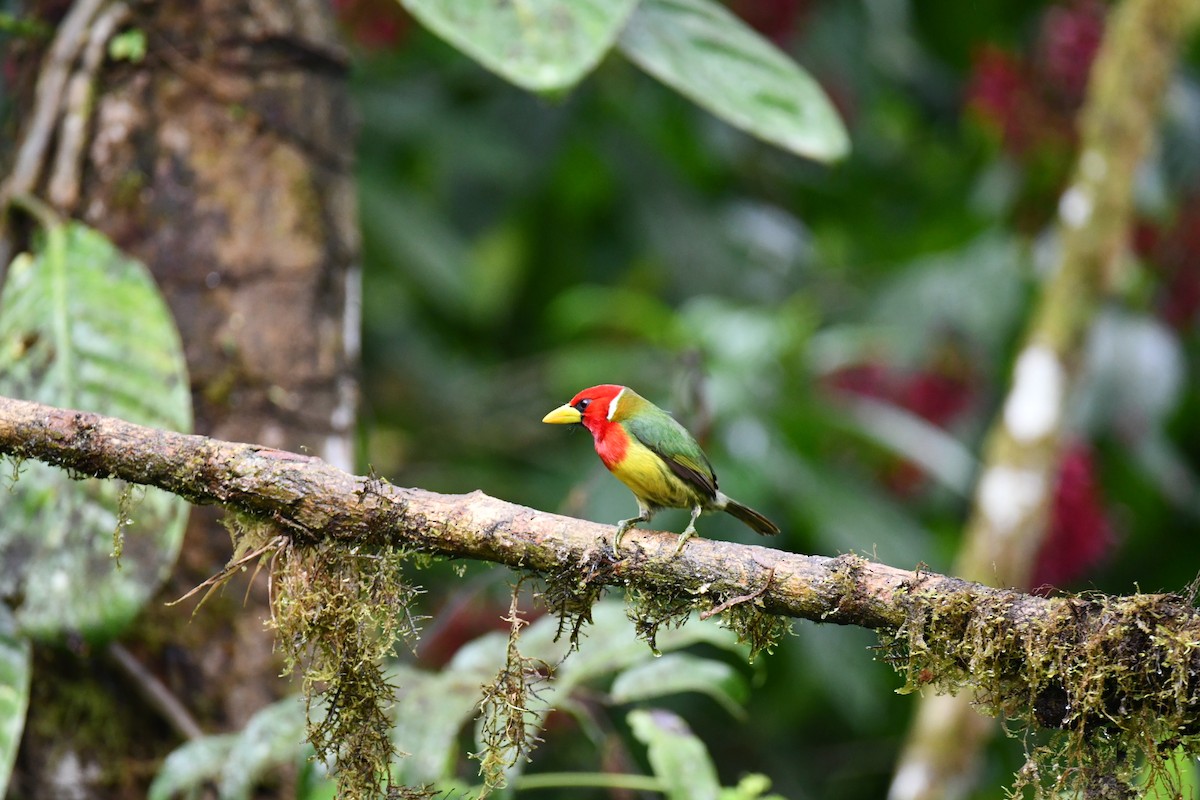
<point x="70" y="39"/>
<point x="745" y="598"/>
<point x="65" y="177"/>
<point x="229" y="571"/>
<point x="156" y="693"/>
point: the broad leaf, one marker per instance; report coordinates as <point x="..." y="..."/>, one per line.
<point x="540" y="45"/>
<point x="192" y="766"/>
<point x="1172" y="777"/>
<point x="274" y="735"/>
<point x="14" y="692"/>
<point x="680" y="672"/>
<point x="679" y="759"/>
<point x="82" y="326"/>
<point x="236" y="762"/>
<point x="703" y="51"/>
<point x="431" y="709"/>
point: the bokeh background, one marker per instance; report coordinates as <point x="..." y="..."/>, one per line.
<point x="839" y="337"/>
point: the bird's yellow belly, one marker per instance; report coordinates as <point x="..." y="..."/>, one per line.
<point x="652" y="480"/>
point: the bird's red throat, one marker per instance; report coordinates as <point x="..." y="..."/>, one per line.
<point x="611" y="441"/>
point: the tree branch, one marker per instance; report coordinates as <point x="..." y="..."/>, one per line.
<point x="1026" y="651"/>
<point x="312" y="500"/>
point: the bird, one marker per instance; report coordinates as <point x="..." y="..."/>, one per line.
<point x="652" y="454"/>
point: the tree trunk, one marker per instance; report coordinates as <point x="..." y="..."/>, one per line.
<point x="223" y="161"/>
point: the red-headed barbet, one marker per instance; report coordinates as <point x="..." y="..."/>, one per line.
<point x="654" y="456"/>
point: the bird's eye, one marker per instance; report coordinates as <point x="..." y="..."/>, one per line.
<point x="583" y="404"/>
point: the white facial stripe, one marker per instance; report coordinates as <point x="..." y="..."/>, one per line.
<point x="612" y="407"/>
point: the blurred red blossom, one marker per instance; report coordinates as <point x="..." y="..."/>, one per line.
<point x="374" y="24"/>
<point x="938" y="394"/>
<point x="775" y="19"/>
<point x="935" y="395"/>
<point x="1080" y="534"/>
<point x="1173" y="252"/>
<point x="1032" y="101"/>
<point x="1067" y="43"/>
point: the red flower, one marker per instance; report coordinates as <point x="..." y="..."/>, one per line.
<point x="374" y="24"/>
<point x="1174" y="252"/>
<point x="936" y="395"/>
<point x="1080" y="535"/>
<point x="1069" y="38"/>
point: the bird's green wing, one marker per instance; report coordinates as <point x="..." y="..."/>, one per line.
<point x="671" y="442"/>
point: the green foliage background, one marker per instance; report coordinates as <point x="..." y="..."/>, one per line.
<point x="521" y="247"/>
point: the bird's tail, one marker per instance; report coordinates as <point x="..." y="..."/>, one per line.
<point x="752" y="518"/>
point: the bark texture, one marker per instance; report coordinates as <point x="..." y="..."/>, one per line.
<point x="223" y="161"/>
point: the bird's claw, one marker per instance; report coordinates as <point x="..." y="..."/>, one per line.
<point x="683" y="537"/>
<point x="622" y="526"/>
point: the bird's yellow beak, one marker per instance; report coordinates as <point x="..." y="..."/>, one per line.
<point x="563" y="415"/>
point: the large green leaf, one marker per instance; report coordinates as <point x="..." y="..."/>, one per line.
<point x="192" y="765"/>
<point x="83" y="326"/>
<point x="431" y="709"/>
<point x="14" y="692"/>
<point x="236" y="762"/>
<point x="541" y="45"/>
<point x="1172" y="778"/>
<point x="679" y="672"/>
<point x="677" y="756"/>
<point x="274" y="735"/>
<point x="705" y="52"/>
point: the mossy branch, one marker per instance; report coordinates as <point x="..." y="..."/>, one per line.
<point x="312" y="502"/>
<point x="1011" y="508"/>
<point x="1124" y="667"/>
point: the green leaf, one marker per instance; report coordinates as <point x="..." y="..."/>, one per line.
<point x="128" y="46"/>
<point x="236" y="762"/>
<point x="83" y="326"/>
<point x="191" y="766"/>
<point x="703" y="51"/>
<point x="848" y="513"/>
<point x="274" y="735"/>
<point x="680" y="672"/>
<point x="14" y="692"/>
<point x="1172" y="778"/>
<point x="430" y="712"/>
<point x="751" y="787"/>
<point x="678" y="758"/>
<point x="540" y="45"/>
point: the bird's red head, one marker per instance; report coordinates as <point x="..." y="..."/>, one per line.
<point x="593" y="407"/>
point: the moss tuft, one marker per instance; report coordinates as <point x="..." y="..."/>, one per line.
<point x="756" y="628"/>
<point x="339" y="609"/>
<point x="508" y="723"/>
<point x="1116" y="678"/>
<point x="126" y="503"/>
<point x="649" y="610"/>
<point x="571" y="592"/>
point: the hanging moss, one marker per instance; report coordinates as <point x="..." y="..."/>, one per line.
<point x="339" y="609"/>
<point x="652" y="609"/>
<point x="572" y="590"/>
<point x="125" y="508"/>
<point x="1115" y="677"/>
<point x="508" y="724"/>
<point x="756" y="628"/>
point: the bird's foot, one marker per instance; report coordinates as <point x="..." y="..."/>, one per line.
<point x="623" y="526"/>
<point x="688" y="533"/>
